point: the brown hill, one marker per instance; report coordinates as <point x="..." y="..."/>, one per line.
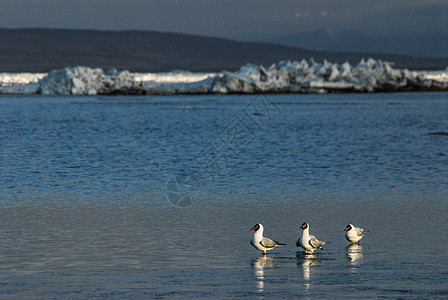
<point x="39" y="50"/>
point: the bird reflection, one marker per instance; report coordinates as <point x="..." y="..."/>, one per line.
<point x="306" y="261"/>
<point x="259" y="264"/>
<point x="354" y="254"/>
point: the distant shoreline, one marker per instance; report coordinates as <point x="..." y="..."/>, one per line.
<point x="298" y="77"/>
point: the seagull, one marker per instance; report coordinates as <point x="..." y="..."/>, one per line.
<point x="353" y="234"/>
<point x="262" y="243"/>
<point x="308" y="241"/>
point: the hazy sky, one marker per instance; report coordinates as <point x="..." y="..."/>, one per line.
<point x="239" y="19"/>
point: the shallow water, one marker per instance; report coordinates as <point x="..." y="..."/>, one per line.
<point x="153" y="197"/>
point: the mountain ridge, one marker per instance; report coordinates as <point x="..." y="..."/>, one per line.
<point x="433" y="44"/>
<point x="44" y="49"/>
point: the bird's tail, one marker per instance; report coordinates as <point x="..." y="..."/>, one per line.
<point x="282" y="244"/>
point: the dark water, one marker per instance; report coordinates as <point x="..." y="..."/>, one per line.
<point x="153" y="197"/>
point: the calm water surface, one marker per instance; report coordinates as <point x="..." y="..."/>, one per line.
<point x="153" y="197"/>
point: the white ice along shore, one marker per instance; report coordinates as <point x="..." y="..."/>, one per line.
<point x="20" y="83"/>
<point x="306" y="76"/>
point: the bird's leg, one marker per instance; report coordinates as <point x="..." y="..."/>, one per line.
<point x="358" y="243"/>
<point x="264" y="253"/>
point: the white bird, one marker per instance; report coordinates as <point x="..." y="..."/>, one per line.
<point x="353" y="234"/>
<point x="262" y="243"/>
<point x="308" y="241"/>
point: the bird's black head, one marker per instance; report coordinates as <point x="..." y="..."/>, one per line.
<point x="256" y="227"/>
<point x="304" y="226"/>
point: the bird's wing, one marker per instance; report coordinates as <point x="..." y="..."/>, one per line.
<point x="314" y="242"/>
<point x="268" y="243"/>
<point x="278" y="243"/>
<point x="359" y="231"/>
<point x="298" y="242"/>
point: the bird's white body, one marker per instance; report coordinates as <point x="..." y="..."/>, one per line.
<point x="354" y="234"/>
<point x="260" y="242"/>
<point x="308" y="241"/>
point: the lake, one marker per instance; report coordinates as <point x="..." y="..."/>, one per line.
<point x="153" y="196"/>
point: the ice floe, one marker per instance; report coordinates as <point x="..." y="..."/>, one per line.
<point x="86" y="81"/>
<point x="309" y="76"/>
<point x="306" y="76"/>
